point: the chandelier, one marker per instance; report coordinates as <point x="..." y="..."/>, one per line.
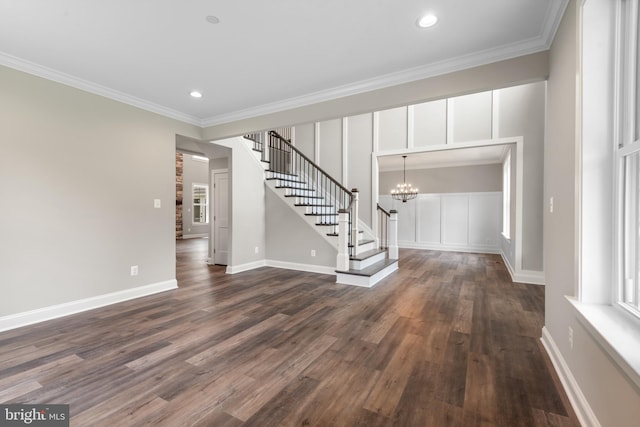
<point x="404" y="191"/>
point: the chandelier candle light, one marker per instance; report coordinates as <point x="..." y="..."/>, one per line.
<point x="404" y="191"/>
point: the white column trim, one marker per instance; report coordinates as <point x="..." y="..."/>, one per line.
<point x="495" y="114"/>
<point x="316" y="143"/>
<point x="449" y="120"/>
<point x="374" y="173"/>
<point x="410" y="123"/>
<point x="345" y="152"/>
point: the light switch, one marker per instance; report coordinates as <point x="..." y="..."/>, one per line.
<point x="156" y="203"/>
<point x="551" y="204"/>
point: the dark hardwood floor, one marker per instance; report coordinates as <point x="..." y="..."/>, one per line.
<point x="448" y="340"/>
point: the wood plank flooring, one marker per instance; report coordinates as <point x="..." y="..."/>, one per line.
<point x="448" y="340"/>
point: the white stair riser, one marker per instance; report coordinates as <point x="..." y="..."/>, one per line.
<point x="366" y="247"/>
<point x="280" y="175"/>
<point x="326" y="219"/>
<point x="360" y="264"/>
<point x="297" y="185"/>
<point x="320" y="210"/>
<point x="301" y="193"/>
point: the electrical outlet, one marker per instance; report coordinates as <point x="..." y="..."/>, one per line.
<point x="313" y="252"/>
<point x="571" y="337"/>
<point x="550" y="204"/>
<point x="157" y="203"/>
<point x="134" y="270"/>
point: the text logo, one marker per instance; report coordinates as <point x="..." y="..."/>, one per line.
<point x="34" y="415"/>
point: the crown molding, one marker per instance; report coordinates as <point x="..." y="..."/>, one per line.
<point x="502" y="53"/>
<point x="94" y="88"/>
<point x="552" y="20"/>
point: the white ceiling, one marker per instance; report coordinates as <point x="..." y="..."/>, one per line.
<point x="263" y="56"/>
<point x="485" y="155"/>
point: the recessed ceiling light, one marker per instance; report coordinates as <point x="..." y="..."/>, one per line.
<point x="427" y="21"/>
<point x="195" y="94"/>
<point x="211" y="19"/>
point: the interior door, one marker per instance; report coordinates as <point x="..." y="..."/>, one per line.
<point x="221" y="218"/>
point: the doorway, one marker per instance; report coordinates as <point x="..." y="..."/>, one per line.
<point x="220" y="223"/>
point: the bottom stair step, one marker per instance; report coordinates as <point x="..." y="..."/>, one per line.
<point x="369" y="276"/>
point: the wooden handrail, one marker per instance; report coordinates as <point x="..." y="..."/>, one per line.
<point x="380" y="208"/>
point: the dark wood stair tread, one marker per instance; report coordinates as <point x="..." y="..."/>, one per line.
<point x="372" y="269"/>
<point x="280" y="172"/>
<point x="297" y="181"/>
<point x="303" y="196"/>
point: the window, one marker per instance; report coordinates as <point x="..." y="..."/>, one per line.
<point x="200" y="203"/>
<point x="628" y="161"/>
<point x="506" y="196"/>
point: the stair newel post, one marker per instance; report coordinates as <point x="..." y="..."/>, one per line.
<point x="266" y="146"/>
<point x="393" y="234"/>
<point x="343" y="240"/>
<point x="354" y="220"/>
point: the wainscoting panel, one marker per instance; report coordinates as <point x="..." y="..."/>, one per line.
<point x="484" y="219"/>
<point x="428" y="219"/>
<point x="455" y="219"/>
<point x="466" y="222"/>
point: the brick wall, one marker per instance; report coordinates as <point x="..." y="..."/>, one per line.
<point x="179" y="170"/>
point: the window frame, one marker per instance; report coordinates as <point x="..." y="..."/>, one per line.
<point x="506" y="195"/>
<point x="626" y="145"/>
<point x="206" y="204"/>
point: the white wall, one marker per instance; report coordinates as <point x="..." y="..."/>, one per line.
<point x="470" y="117"/>
<point x="449" y="221"/>
<point x="290" y="239"/>
<point x="329" y="147"/>
<point x="392" y="129"/>
<point x="248" y="207"/>
<point x="78" y="177"/>
<point x="431" y="126"/>
<point x="305" y="140"/>
<point x="520" y="111"/>
<point x="193" y="172"/>
<point x="359" y="148"/>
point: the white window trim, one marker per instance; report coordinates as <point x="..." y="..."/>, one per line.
<point x="614" y="328"/>
<point x="193" y="205"/>
<point x="506" y="196"/>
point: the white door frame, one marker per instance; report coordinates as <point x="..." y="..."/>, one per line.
<point x="212" y="221"/>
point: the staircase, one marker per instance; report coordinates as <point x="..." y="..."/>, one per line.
<point x="330" y="208"/>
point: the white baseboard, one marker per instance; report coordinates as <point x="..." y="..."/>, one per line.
<point x="234" y="269"/>
<point x="579" y="403"/>
<point x="320" y="269"/>
<point x="60" y="310"/>
<point x="449" y="248"/>
<point x="530" y="276"/>
<point x="524" y="276"/>
<point x="194" y="236"/>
